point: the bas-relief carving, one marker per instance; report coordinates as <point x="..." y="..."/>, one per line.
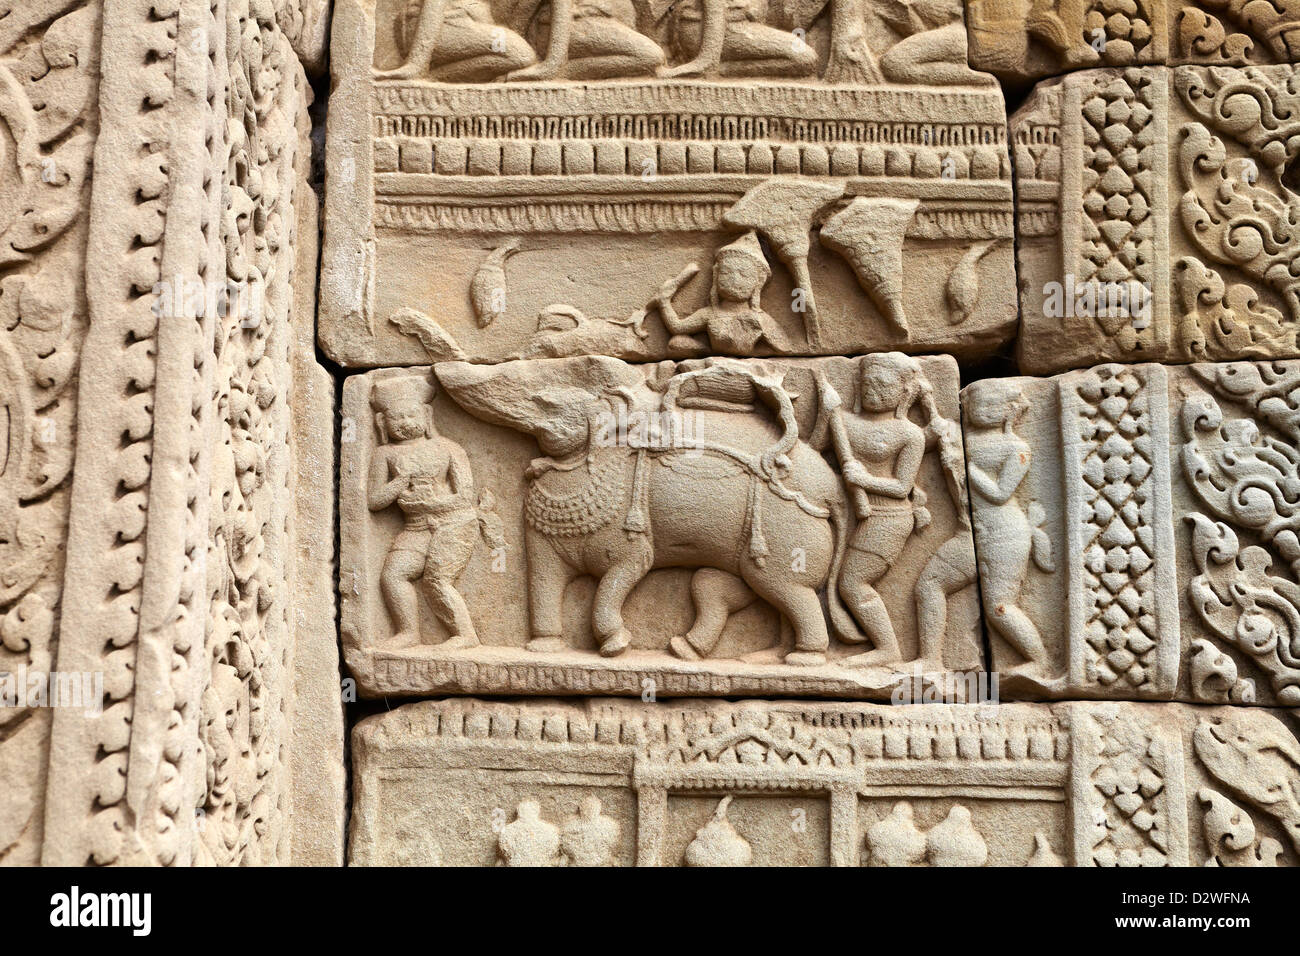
<point x="786" y="526"/>
<point x="180" y="547"/>
<point x="600" y="782"/>
<point x="306" y="25"/>
<point x="48" y="66"/>
<point x="1024" y="40"/>
<point x="1167" y="491"/>
<point x="1156" y="214"/>
<point x="826" y="181"/>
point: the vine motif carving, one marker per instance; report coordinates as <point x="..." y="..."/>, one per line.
<point x="1246" y="472"/>
<point x="1239" y="212"/>
<point x="48" y="67"/>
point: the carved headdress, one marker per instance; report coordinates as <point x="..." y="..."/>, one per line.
<point x="393" y="393"/>
<point x="402" y="390"/>
<point x="746" y="247"/>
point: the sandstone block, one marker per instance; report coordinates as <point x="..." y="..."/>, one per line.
<point x="1133" y="530"/>
<point x="1156" y="214"/>
<point x="761" y="783"/>
<point x="587" y="525"/>
<point x="642" y="195"/>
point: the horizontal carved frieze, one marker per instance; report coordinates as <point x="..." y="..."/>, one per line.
<point x="692" y="783"/>
<point x="502" y="191"/>
<point x="718" y="527"/>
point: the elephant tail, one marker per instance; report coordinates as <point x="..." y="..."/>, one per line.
<point x="842" y="623"/>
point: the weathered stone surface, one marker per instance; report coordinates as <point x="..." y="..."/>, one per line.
<point x="158" y="327"/>
<point x="585" y="525"/>
<point x="1134" y="527"/>
<point x="1157" y="217"/>
<point x="319" y="816"/>
<point x="48" y="55"/>
<point x="650" y="318"/>
<point x="466" y="782"/>
<point x="1021" y="40"/>
<point x="306" y="24"/>
<point x="611" y="198"/>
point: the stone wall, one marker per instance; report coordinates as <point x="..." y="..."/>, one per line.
<point x="721" y="433"/>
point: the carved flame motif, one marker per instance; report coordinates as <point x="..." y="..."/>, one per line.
<point x="1239" y="211"/>
<point x="1251" y="481"/>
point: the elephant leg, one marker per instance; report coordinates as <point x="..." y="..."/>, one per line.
<point x="803" y="609"/>
<point x="717" y="595"/>
<point x="607" y="608"/>
<point x="548" y="577"/>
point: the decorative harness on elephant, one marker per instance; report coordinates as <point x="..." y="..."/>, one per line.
<point x="593" y="506"/>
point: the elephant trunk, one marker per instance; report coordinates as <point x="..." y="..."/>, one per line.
<point x="842" y="622"/>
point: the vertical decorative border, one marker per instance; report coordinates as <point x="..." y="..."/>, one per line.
<point x="1074" y="157"/>
<point x="1076" y="441"/>
<point x="651" y="820"/>
<point x="88" y="816"/>
<point x="1071" y="186"/>
<point x="124" y="786"/>
<point x="1161" y="317"/>
<point x="347" y="259"/>
<point x="1092" y="807"/>
<point x="318" y="818"/>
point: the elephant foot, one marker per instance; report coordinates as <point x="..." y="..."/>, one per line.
<point x="681" y="647"/>
<point x="874" y="658"/>
<point x="546" y="645"/>
<point x="458" y="641"/>
<point x="1032" y="670"/>
<point x="805" y="658"/>
<point x="616" y="643"/>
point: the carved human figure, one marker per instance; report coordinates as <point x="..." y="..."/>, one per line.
<point x="589" y="838"/>
<point x="587" y="40"/>
<point x="731" y="37"/>
<point x="997" y="461"/>
<point x="458" y="41"/>
<point x="529" y="840"/>
<point x="428" y="477"/>
<point x="933" y="51"/>
<point x="734" y="318"/>
<point x="880" y="451"/>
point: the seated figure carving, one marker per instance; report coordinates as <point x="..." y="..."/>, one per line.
<point x="587" y="40"/>
<point x="458" y="41"/>
<point x="732" y="38"/>
<point x="734" y="318"/>
<point x="933" y="50"/>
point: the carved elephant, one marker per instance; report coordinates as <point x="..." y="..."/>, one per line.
<point x="741" y="497"/>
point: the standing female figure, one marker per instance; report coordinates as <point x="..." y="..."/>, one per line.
<point x="998" y="460"/>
